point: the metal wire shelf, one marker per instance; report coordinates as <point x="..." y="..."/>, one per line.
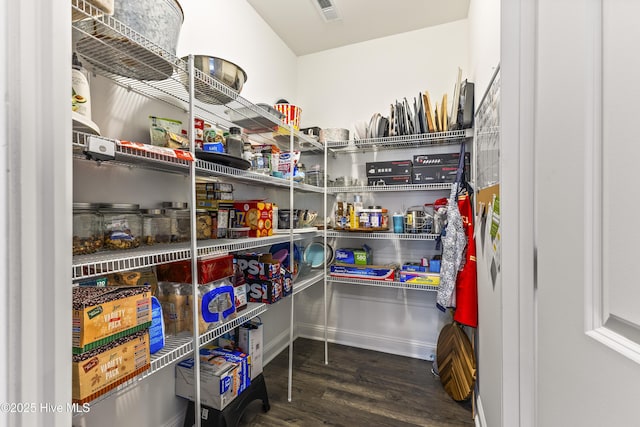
<point x="382" y="236"/>
<point x="131" y="157"/>
<point x="383" y="284"/>
<point x="399" y="142"/>
<point x="93" y="265"/>
<point x="388" y="188"/>
<point x="204" y="168"/>
<point x="130" y="60"/>
<point x="304" y="282"/>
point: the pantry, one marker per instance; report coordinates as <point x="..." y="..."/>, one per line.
<point x="400" y="319"/>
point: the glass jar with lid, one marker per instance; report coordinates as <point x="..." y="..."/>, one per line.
<point x="88" y="234"/>
<point x="180" y="217"/>
<point x="122" y="225"/>
<point x="203" y="224"/>
<point x="156" y="226"/>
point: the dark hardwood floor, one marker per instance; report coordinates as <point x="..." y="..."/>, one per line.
<point x="357" y="388"/>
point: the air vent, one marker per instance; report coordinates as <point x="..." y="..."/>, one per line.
<point x="327" y="10"/>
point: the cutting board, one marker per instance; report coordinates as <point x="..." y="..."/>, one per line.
<point x="456" y="362"/>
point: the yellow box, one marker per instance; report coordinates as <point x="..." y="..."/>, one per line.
<point x="104" y="314"/>
<point x="96" y="372"/>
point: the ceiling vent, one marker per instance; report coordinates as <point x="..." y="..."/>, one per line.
<point x="327" y="10"/>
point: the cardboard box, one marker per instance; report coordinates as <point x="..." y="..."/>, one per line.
<point x="234" y="356"/>
<point x="389" y="180"/>
<point x="436" y="168"/>
<point x="258" y="266"/>
<point x="362" y="256"/>
<point x="104" y="314"/>
<point x="372" y="272"/>
<point x="102" y="369"/>
<point x="250" y="341"/>
<point x="217" y="380"/>
<point x="446" y="159"/>
<point x="214" y="195"/>
<point x="214" y="186"/>
<point x="141" y="277"/>
<point x="431" y="279"/>
<point x="392" y="168"/>
<point x="435" y="174"/>
<point x="414" y="267"/>
<point x="210" y="269"/>
<point x="265" y="291"/>
<point x="256" y="215"/>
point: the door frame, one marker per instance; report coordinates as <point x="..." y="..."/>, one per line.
<point x="517" y="201"/>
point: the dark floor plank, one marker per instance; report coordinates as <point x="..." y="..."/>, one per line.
<point x="357" y="388"/>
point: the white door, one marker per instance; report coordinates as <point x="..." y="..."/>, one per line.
<point x="586" y="204"/>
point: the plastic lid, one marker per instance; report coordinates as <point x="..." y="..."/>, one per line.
<point x="235" y="130"/>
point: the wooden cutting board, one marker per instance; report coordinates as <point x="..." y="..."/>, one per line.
<point x="456" y="362"/>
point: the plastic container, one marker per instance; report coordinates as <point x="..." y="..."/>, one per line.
<point x="398" y="223"/>
<point x="122" y="225"/>
<point x="156" y="227"/>
<point x="88" y="231"/>
<point x="180" y="220"/>
<point x="235" y="146"/>
<point x="238" y="232"/>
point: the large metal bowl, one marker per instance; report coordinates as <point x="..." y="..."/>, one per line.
<point x="220" y="70"/>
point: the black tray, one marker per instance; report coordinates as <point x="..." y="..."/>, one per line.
<point x="223" y="159"/>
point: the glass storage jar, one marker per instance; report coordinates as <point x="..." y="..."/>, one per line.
<point x="88" y="235"/>
<point x="180" y="217"/>
<point x="156" y="226"/>
<point x="203" y="224"/>
<point x="122" y="225"/>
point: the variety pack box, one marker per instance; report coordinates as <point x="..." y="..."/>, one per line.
<point x="97" y="371"/>
<point x="371" y="272"/>
<point x="104" y="314"/>
<point x="256" y="215"/>
<point x="210" y="269"/>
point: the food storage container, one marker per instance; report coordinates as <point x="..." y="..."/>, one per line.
<point x="180" y="220"/>
<point x="156" y="226"/>
<point x="122" y="225"/>
<point x="88" y="234"/>
<point x="238" y="232"/>
<point x="203" y="224"/>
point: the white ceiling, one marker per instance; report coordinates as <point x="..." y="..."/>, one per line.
<point x="299" y="23"/>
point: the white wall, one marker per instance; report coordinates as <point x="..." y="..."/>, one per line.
<point x="484" y="50"/>
<point x="340" y="86"/>
<point x="336" y="88"/>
